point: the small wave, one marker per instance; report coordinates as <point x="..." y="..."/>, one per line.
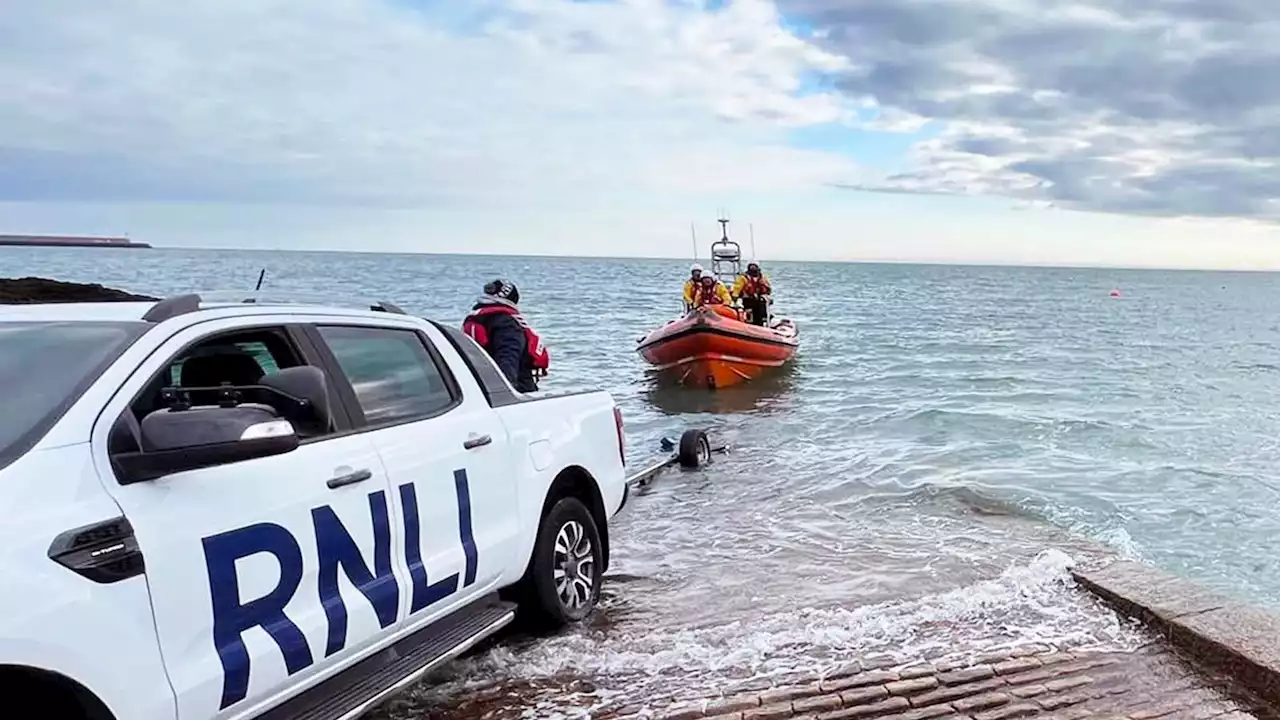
<point x="1107" y="531"/>
<point x="949" y="416"/>
<point x="1267" y="367"/>
<point x="968" y="499"/>
<point x="972" y="500"/>
<point x="1122" y="542"/>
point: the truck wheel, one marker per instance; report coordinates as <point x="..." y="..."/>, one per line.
<point x="564" y="584"/>
<point x="56" y="698"/>
<point x="695" y="449"/>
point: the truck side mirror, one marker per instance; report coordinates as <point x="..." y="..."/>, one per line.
<point x="179" y="440"/>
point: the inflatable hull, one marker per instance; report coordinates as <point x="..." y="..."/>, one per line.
<point x="712" y="349"/>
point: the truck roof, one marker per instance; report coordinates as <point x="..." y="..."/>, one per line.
<point x="125" y="311"/>
<point x="70" y="312"/>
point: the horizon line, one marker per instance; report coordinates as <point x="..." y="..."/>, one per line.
<point x="934" y="262"/>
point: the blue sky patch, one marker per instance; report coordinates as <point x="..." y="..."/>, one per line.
<point x="816" y="83"/>
<point x="462" y="18"/>
<point x="797" y="26"/>
<point x="883" y="150"/>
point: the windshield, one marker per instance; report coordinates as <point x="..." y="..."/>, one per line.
<point x="44" y="367"/>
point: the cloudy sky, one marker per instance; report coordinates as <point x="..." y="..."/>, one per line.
<point x="1131" y="132"/>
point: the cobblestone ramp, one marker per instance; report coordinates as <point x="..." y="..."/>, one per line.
<point x="1037" y="683"/>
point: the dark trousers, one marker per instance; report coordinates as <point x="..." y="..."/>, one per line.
<point x="759" y="308"/>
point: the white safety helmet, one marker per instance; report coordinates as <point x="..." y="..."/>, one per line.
<point x="696" y="269"/>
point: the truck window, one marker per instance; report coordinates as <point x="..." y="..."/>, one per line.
<point x="496" y="388"/>
<point x="45" y="367"/>
<point x="394" y="377"/>
<point x="255" y="349"/>
<point x="238" y="357"/>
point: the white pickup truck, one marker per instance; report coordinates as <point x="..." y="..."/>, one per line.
<point x="252" y="510"/>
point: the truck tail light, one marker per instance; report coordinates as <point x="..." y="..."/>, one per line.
<point x="622" y="443"/>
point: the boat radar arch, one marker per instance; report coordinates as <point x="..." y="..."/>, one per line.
<point x="726" y="255"/>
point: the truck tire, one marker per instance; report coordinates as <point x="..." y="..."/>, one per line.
<point x="47" y="695"/>
<point x="563" y="584"/>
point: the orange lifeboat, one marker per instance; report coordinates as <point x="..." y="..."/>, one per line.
<point x="712" y="347"/>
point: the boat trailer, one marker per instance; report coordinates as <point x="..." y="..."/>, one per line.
<point x="692" y="451"/>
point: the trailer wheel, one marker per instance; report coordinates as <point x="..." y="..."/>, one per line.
<point x="695" y="449"/>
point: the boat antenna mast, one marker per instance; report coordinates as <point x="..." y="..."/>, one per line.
<point x="694" y="234"/>
<point x="751" y="230"/>
<point x="725" y="251"/>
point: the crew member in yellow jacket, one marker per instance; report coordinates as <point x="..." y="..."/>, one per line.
<point x="691" y="285"/>
<point x="711" y="292"/>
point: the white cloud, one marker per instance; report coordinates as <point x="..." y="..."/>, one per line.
<point x="1142" y="107"/>
<point x="558" y="115"/>
<point x="381" y="103"/>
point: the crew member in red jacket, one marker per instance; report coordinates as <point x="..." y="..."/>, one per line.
<point x="499" y="328"/>
<point x="754" y="290"/>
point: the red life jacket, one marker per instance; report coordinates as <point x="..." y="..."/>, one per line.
<point x="535" y="352"/>
<point x="703" y="295"/>
<point x="754" y="287"/>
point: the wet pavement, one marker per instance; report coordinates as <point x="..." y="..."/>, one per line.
<point x="1147" y="682"/>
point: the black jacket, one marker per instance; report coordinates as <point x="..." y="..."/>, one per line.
<point x="507" y="348"/>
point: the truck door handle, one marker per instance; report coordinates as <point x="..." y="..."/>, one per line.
<point x="352" y="478"/>
<point x="472" y="443"/>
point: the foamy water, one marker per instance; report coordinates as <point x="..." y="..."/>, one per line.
<point x="633" y="661"/>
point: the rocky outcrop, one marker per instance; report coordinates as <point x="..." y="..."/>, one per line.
<point x="15" y="291"/>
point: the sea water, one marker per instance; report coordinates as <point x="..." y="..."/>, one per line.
<point x="947" y="441"/>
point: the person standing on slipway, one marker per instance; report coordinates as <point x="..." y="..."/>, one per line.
<point x="496" y="325"/>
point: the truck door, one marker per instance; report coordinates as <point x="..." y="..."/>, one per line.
<point x="447" y="456"/>
<point x="264" y="573"/>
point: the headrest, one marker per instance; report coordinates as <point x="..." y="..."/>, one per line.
<point x="213" y="370"/>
